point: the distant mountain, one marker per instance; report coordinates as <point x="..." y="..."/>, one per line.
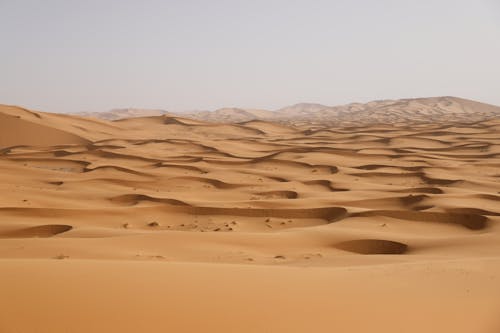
<point x="431" y="109"/>
<point x="230" y="115"/>
<point x="302" y="109"/>
<point x="116" y="114"/>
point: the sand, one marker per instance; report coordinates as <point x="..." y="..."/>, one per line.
<point x="162" y="223"/>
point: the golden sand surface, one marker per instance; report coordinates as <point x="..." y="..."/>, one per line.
<point x="169" y="224"/>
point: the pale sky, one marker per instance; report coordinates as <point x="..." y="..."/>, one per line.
<point x="94" y="55"/>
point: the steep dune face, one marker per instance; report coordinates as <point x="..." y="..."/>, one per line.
<point x="37" y="231"/>
<point x="373" y="246"/>
<point x="16" y="132"/>
<point x="144" y="224"/>
<point x="86" y="128"/>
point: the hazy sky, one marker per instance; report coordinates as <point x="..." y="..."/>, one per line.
<point x="93" y="55"/>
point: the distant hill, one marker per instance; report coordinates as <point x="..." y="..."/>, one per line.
<point x="116" y="114"/>
<point x="230" y="115"/>
<point x="431" y="109"/>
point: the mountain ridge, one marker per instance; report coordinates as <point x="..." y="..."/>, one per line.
<point x="422" y="109"/>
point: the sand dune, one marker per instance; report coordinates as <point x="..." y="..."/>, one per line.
<point x="20" y="132"/>
<point x="164" y="223"/>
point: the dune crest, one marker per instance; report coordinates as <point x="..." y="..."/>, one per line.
<point x="20" y="132"/>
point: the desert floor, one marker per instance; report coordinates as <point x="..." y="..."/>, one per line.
<point x="164" y="224"/>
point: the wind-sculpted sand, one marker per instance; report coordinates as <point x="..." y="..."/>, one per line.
<point x="166" y="224"/>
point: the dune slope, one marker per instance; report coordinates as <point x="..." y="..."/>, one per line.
<point x="17" y="132"/>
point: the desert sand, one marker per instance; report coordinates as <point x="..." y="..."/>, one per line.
<point x="170" y="224"/>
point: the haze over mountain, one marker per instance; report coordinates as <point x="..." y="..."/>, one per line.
<point x="116" y="114"/>
<point x="431" y="109"/>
